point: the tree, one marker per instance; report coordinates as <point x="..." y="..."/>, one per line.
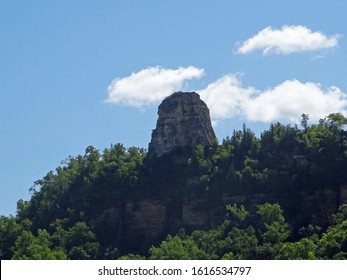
<point x="304" y="249"/>
<point x="333" y="244"/>
<point x="30" y="247"/>
<point x="237" y="215"/>
<point x="132" y="257"/>
<point x="242" y="243"/>
<point x="179" y="247"/>
<point x="79" y="241"/>
<point x="273" y="230"/>
<point x="9" y="232"/>
<point x="304" y="121"/>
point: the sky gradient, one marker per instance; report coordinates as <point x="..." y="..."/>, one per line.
<point x="79" y="73"/>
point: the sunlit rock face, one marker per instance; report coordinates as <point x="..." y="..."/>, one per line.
<point x="183" y="121"/>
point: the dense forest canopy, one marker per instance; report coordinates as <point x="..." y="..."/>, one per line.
<point x="281" y="195"/>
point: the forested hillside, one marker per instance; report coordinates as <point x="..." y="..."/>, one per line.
<point x="282" y="195"/>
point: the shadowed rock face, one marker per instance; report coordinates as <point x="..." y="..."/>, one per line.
<point x="184" y="121"/>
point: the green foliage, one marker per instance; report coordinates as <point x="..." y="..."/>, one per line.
<point x="228" y="256"/>
<point x="30" y="247"/>
<point x="9" y="232"/>
<point x="79" y="240"/>
<point x="333" y="244"/>
<point x="211" y="242"/>
<point x="80" y="209"/>
<point x="237" y="215"/>
<point x="276" y="230"/>
<point x="341" y="214"/>
<point x="179" y="247"/>
<point x="242" y="243"/>
<point x="304" y="249"/>
<point x="265" y="241"/>
<point x="132" y="257"/>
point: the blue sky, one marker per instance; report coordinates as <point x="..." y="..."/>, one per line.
<point x="79" y="73"/>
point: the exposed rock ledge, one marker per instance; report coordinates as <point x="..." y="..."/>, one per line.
<point x="183" y="121"/>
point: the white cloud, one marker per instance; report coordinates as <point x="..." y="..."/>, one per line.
<point x="291" y="98"/>
<point x="289" y="39"/>
<point x="227" y="98"/>
<point x="150" y="85"/>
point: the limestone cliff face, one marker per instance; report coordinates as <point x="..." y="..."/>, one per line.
<point x="146" y="218"/>
<point x="183" y="121"/>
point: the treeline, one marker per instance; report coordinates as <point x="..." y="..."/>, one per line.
<point x="291" y="180"/>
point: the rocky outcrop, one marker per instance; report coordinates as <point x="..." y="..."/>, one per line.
<point x="183" y="121"/>
<point x="147" y="217"/>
